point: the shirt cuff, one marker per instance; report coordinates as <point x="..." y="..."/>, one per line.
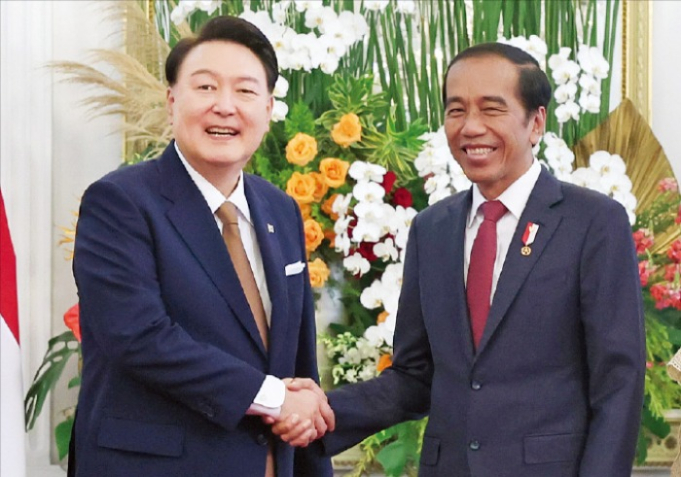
<point x="269" y="399"/>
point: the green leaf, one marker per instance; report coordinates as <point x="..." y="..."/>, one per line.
<point x="62" y="436"/>
<point x="299" y="120"/>
<point x="393" y="458"/>
<point x="59" y="351"/>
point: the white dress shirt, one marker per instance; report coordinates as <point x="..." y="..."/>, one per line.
<point x="515" y="199"/>
<point x="272" y="392"/>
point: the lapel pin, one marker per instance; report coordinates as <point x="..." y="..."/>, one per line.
<point x="528" y="238"/>
<point x="270" y="228"/>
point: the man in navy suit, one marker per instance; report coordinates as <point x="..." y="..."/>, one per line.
<point x="545" y="378"/>
<point x="178" y="373"/>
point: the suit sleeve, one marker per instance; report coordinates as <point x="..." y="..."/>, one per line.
<point x="612" y="319"/>
<point x="309" y="460"/>
<point x="401" y="392"/>
<point x="124" y="316"/>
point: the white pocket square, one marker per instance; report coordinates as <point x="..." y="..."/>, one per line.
<point x="294" y="268"/>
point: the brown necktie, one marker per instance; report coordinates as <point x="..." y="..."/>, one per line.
<point x="481" y="268"/>
<point x="230" y="233"/>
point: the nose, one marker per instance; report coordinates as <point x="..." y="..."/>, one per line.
<point x="224" y="103"/>
<point x="473" y="125"/>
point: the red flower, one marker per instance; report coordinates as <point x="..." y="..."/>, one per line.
<point x="644" y="272"/>
<point x="643" y="238"/>
<point x="677" y="221"/>
<point x="366" y="250"/>
<point x="72" y="320"/>
<point x="674" y="251"/>
<point x="402" y="197"/>
<point x="389" y="181"/>
<point x="670" y="271"/>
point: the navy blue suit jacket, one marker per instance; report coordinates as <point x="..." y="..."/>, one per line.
<point x="172" y="358"/>
<point x="556" y="386"/>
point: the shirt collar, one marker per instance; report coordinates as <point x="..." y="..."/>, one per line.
<point x="212" y="195"/>
<point x="515" y="196"/>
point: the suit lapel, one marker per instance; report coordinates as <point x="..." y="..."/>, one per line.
<point x="449" y="253"/>
<point x="195" y="223"/>
<point x="273" y="263"/>
<point x="517" y="267"/>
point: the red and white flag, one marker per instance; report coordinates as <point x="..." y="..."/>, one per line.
<point x="12" y="434"/>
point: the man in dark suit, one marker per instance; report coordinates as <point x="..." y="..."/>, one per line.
<point x="520" y="324"/>
<point x="194" y="297"/>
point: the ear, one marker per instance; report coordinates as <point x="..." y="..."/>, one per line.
<point x="538" y="123"/>
<point x="270" y="107"/>
<point x="170" y="100"/>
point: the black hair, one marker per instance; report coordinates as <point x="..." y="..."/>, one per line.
<point x="228" y="29"/>
<point x="533" y="89"/>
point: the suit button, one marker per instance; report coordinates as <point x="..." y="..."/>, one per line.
<point x="475" y="386"/>
<point x="261" y="439"/>
<point x="474" y="445"/>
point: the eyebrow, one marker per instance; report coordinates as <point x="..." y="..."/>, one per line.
<point x="205" y="71"/>
<point x="490" y="99"/>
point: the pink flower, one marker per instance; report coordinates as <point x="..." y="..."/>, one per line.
<point x="668" y="184"/>
<point x="674" y="252"/>
<point x="670" y="271"/>
<point x="644" y="272"/>
<point x="643" y="238"/>
<point x="677" y="221"/>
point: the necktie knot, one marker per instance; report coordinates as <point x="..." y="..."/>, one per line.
<point x="227" y="213"/>
<point x="493" y="210"/>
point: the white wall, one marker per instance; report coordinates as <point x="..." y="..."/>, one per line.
<point x="666" y="96"/>
<point x="50" y="150"/>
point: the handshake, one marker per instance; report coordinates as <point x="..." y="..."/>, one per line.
<point x="305" y="415"/>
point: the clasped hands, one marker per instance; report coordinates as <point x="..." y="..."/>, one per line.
<point x="305" y="415"/>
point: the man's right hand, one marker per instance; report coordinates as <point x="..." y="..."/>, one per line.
<point x="305" y="414"/>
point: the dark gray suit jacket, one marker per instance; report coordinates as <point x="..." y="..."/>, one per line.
<point x="556" y="386"/>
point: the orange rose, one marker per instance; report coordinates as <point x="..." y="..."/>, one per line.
<point x="319" y="272"/>
<point x="301" y="149"/>
<point x="334" y="171"/>
<point x="321" y="186"/>
<point x="313" y="235"/>
<point x="72" y="320"/>
<point x="301" y="187"/>
<point x="384" y="362"/>
<point x="330" y="235"/>
<point x="347" y="131"/>
<point x="305" y="210"/>
<point x="327" y="207"/>
<point x="382" y="316"/>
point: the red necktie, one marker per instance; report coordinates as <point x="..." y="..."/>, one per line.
<point x="481" y="268"/>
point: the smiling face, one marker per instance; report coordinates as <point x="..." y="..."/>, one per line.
<point x="219" y="108"/>
<point x="489" y="131"/>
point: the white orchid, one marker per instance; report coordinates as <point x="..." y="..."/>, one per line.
<point x="366" y="231"/>
<point x="590" y="84"/>
<point x="386" y="250"/>
<point x="567" y="111"/>
<point x="567" y="72"/>
<point x="341" y="204"/>
<point x="591" y="60"/>
<point x="372" y="296"/>
<point x="407" y="7"/>
<point x="368" y="191"/>
<point x="279" y="111"/>
<point x="280" y="87"/>
<point x="356" y="264"/>
<point x="565" y="92"/>
<point x="376" y="5"/>
<point x="605" y="163"/>
<point x="364" y="171"/>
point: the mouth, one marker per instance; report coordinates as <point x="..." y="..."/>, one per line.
<point x="222" y="132"/>
<point x="478" y="152"/>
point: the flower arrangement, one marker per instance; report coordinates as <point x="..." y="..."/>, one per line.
<point x="357" y="142"/>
